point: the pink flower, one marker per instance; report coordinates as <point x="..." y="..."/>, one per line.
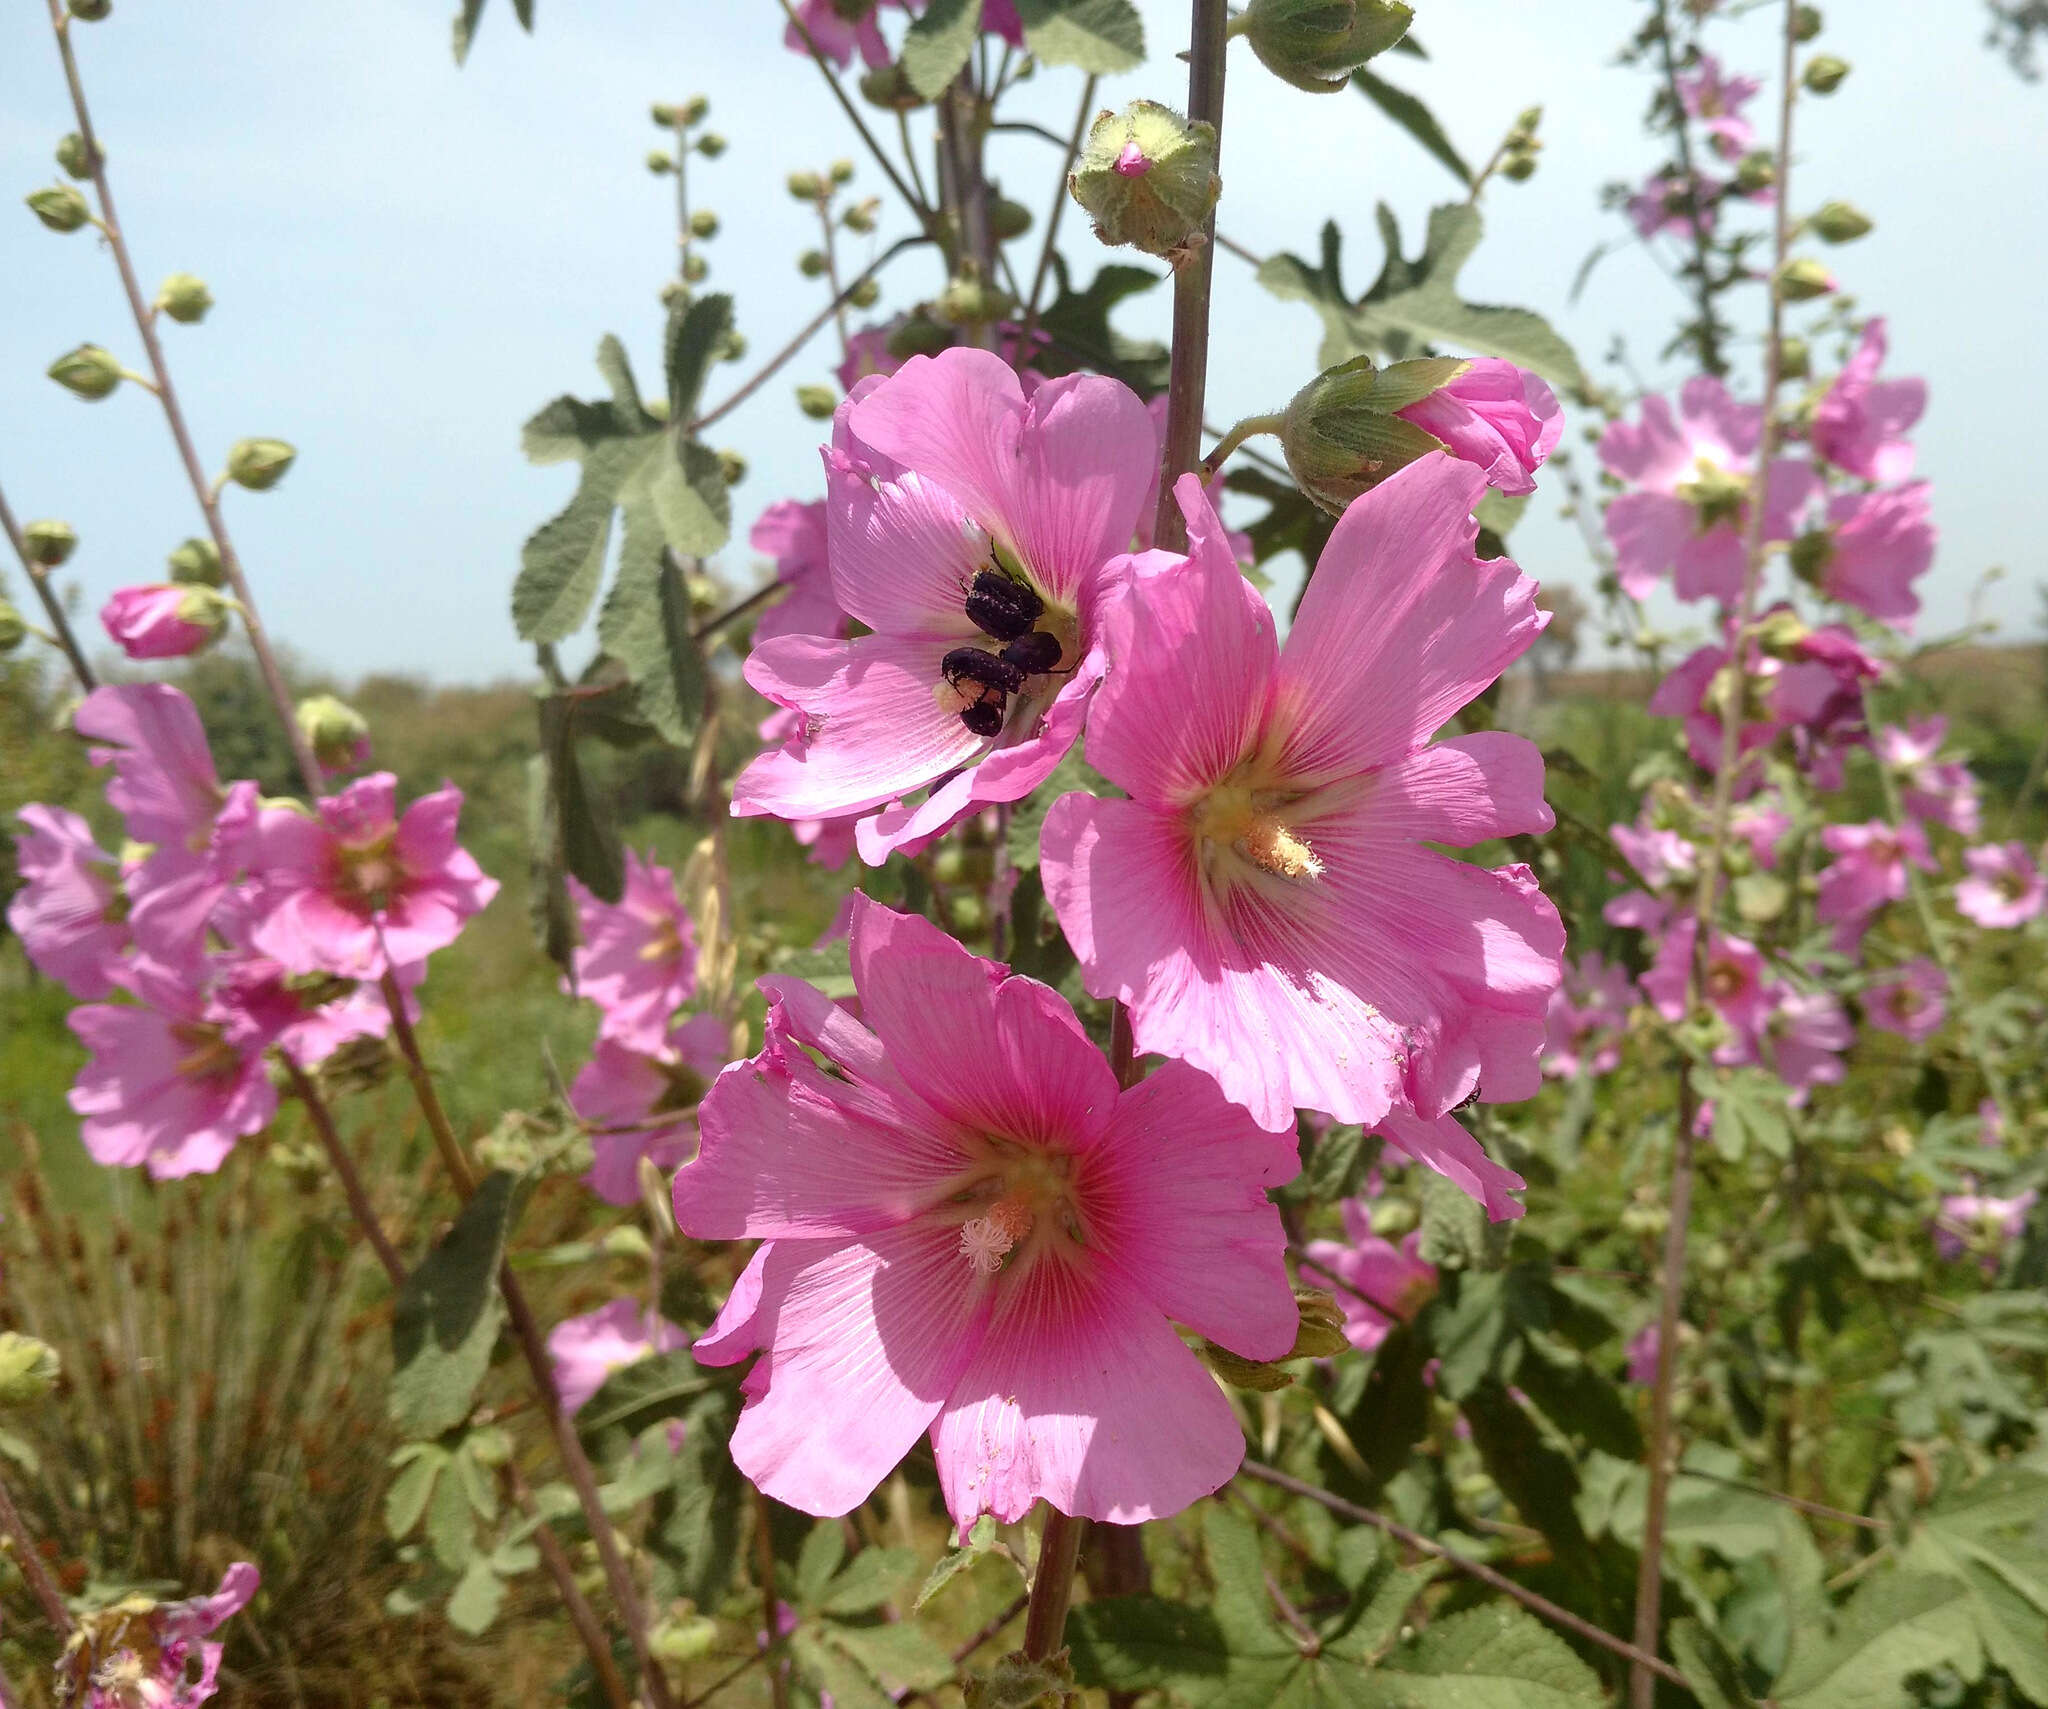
<point x="629" y="1090"/>
<point x="831" y="842"/>
<point x="1983" y="1223"/>
<point x="1377" y="1283"/>
<point x="1497" y="417"/>
<point x="1911" y="1000"/>
<point x="837" y="36"/>
<point x="1879" y="544"/>
<point x="165" y="1085"/>
<point x="1802" y="1038"/>
<point x="1639" y="911"/>
<point x="999" y="18"/>
<point x="867" y="352"/>
<point x="1760" y="823"/>
<point x="1869" y="869"/>
<point x="141" y="1654"/>
<point x="164" y="620"/>
<point x="2004" y="888"/>
<point x="793" y="535"/>
<point x="1641" y="1353"/>
<point x="69" y="913"/>
<point x="965" y="521"/>
<point x="1734" y="986"/>
<point x="1718" y="100"/>
<point x="1662" y="205"/>
<point x="1860" y="425"/>
<point x="353" y="889"/>
<point x="1914" y="745"/>
<point x="638" y="958"/>
<point x="1687" y="509"/>
<point x="1587" y="1018"/>
<point x="1266" y="902"/>
<point x="1660" y="856"/>
<point x="585" y="1350"/>
<point x="972" y="1231"/>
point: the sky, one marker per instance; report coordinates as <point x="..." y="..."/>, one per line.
<point x="409" y="258"/>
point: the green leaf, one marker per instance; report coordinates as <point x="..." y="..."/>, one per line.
<point x="688" y="496"/>
<point x="1714" y="1675"/>
<point x="477" y="1597"/>
<point x="1535" y="1475"/>
<point x="547" y="902"/>
<point x="1749" y="1109"/>
<point x="406" y="1500"/>
<point x="659" y="1386"/>
<point x="1414" y="118"/>
<point x="1099" y="36"/>
<point x="829" y="967"/>
<point x="1078" y="324"/>
<point x="447" y="1315"/>
<point x="818" y="1560"/>
<point x="956" y="1561"/>
<point x="1027" y="818"/>
<point x="618" y="374"/>
<point x="898" y="1656"/>
<point x="696" y="331"/>
<point x="937" y="45"/>
<point x="451" y="1525"/>
<point x="589" y="839"/>
<point x="647" y="626"/>
<point x="465" y="27"/>
<point x="1993" y="1539"/>
<point x="562" y="561"/>
<point x="1896" y="1625"/>
<point x="1455" y="1232"/>
<point x="871" y="1578"/>
<point x="696" y="1524"/>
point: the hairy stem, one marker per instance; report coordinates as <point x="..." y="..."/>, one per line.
<point x="453" y="1159"/>
<point x="1709" y="328"/>
<point x="1052" y="1585"/>
<point x="345" y="1170"/>
<point x="595" y="1644"/>
<point x="53" y="607"/>
<point x="30" y="1565"/>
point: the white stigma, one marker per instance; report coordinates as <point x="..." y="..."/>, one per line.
<point x="983" y="1243"/>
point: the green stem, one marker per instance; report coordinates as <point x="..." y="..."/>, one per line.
<point x="1052" y="1585"/>
<point x="1250" y="428"/>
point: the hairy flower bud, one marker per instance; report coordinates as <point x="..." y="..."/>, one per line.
<point x="973" y="301"/>
<point x="13" y="631"/>
<point x="74" y="156"/>
<point x="663" y="115"/>
<point x="1840" y="222"/>
<point x="919" y="335"/>
<point x="336" y="731"/>
<point x="1809" y="555"/>
<point x="1518" y="164"/>
<point x="185" y="298"/>
<point x="805" y="186"/>
<point x="1805" y="23"/>
<point x="711" y="145"/>
<point x="1340" y="434"/>
<point x="49" y="543"/>
<point x="89" y="11"/>
<point x="864" y="293"/>
<point x="1317" y="44"/>
<point x="732" y="347"/>
<point x="695" y="268"/>
<point x="1755" y="171"/>
<point x="1824" y="73"/>
<point x="841" y="171"/>
<point x="1008" y="219"/>
<point x="888" y="87"/>
<point x="817" y="402"/>
<point x="704" y="224"/>
<point x="59" y="207"/>
<point x="861" y="216"/>
<point x="196" y="563"/>
<point x="259" y="464"/>
<point x="660" y="162"/>
<point x="1802" y="280"/>
<point x="696" y="109"/>
<point x="164" y="621"/>
<point x="1795" y="360"/>
<point x="1148" y="178"/>
<point x="732" y="467"/>
<point x="812" y="264"/>
<point x="89" y="372"/>
<point x="28" y="1369"/>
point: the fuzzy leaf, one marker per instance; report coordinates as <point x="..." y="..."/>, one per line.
<point x="870" y="1579"/>
<point x="646" y="625"/>
<point x="447" y="1315"/>
<point x="405" y="1501"/>
<point x="589" y="837"/>
<point x="477" y="1597"/>
<point x="1078" y="324"/>
<point x="659" y="1386"/>
<point x="1099" y="36"/>
<point x="562" y="561"/>
<point x="696" y="1522"/>
<point x="1416" y="119"/>
<point x="696" y="329"/>
<point x="936" y="47"/>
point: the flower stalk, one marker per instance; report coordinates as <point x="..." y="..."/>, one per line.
<point x="53" y="607"/>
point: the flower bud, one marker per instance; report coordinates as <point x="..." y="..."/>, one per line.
<point x="1824" y="73"/>
<point x="861" y="216"/>
<point x="889" y="88"/>
<point x="164" y="620"/>
<point x="732" y="468"/>
<point x="805" y="186"/>
<point x="28" y="1369"/>
<point x="1780" y="634"/>
<point x="88" y="372"/>
<point x="663" y="115"/>
<point x="13" y="631"/>
<point x="60" y="207"/>
<point x="673" y="293"/>
<point x="918" y="335"/>
<point x="840" y="171"/>
<point x="259" y="464"/>
<point x="185" y="298"/>
<point x="1802" y="280"/>
<point x="1528" y="120"/>
<point x="659" y="161"/>
<point x="864" y="293"/>
<point x="1840" y="222"/>
<point x="683" y="1637"/>
<point x="1148" y="178"/>
<point x="1340" y="434"/>
<point x="817" y="402"/>
<point x="711" y="145"/>
<point x="696" y="109"/>
<point x="695" y="269"/>
<point x="1518" y="164"/>
<point x="74" y="156"/>
<point x="811" y="264"/>
<point x="704" y="224"/>
<point x="1008" y="219"/>
<point x="336" y="732"/>
<point x="196" y="563"/>
<point x="732" y="347"/>
<point x="1805" y="23"/>
<point x="1317" y="44"/>
<point x="1756" y="171"/>
<point x="1795" y="360"/>
<point x="89" y="11"/>
<point x="1809" y="555"/>
<point x="49" y="544"/>
<point x="1392" y="1218"/>
<point x="972" y="301"/>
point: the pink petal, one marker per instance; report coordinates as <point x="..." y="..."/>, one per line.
<point x="903" y="554"/>
<point x="1443" y="1145"/>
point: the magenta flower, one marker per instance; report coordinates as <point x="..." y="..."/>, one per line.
<point x="1801" y="1040"/>
<point x="1869" y="869"/>
<point x="2005" y="887"/>
<point x="141" y="1654"/>
<point x="1735" y="985"/>
<point x="1911" y="1000"/>
<point x="1661" y="205"/>
<point x="69" y="913"/>
<point x="839" y="30"/>
<point x="638" y="958"/>
<point x="164" y="620"/>
<point x="165" y="1085"/>
<point x="1587" y="1018"/>
<point x="1860" y="425"/>
<point x="628" y="1091"/>
<point x="972" y="1231"/>
<point x="1879" y="544"/>
<point x="1266" y="902"/>
<point x="1717" y="101"/>
<point x="1377" y="1283"/>
<point x="977" y="533"/>
<point x="1501" y="419"/>
<point x="793" y="535"/>
<point x="1660" y="855"/>
<point x="353" y="889"/>
<point x="585" y="1350"/>
<point x="1983" y="1223"/>
<point x="1760" y="824"/>
<point x="1914" y="745"/>
<point x="1689" y="478"/>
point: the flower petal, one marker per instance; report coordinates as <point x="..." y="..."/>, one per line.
<point x="903" y="554"/>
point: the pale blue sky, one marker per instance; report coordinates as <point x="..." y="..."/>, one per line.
<point x="410" y="258"/>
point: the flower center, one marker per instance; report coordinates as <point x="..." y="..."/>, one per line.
<point x="369" y="871"/>
<point x="1724" y="980"/>
<point x="1028" y="1201"/>
<point x="665" y="945"/>
<point x="2011" y="885"/>
<point x="1715" y="493"/>
<point x="1248" y="821"/>
<point x="208" y="1055"/>
<point x="1037" y="640"/>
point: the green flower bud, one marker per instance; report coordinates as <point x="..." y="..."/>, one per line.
<point x="1518" y="164"/>
<point x="864" y="293"/>
<point x="88" y="372"/>
<point x="696" y="109"/>
<point x="861" y="216"/>
<point x="683" y="1638"/>
<point x="1824" y="73"/>
<point x="339" y="737"/>
<point x="1008" y="219"/>
<point x="1809" y="555"/>
<point x="1392" y="1218"/>
<point x="659" y="161"/>
<point x="74" y="156"/>
<point x="1340" y="434"/>
<point x="196" y="563"/>
<point x="60" y="207"/>
<point x="1795" y="361"/>
<point x="1148" y="178"/>
<point x="13" y="631"/>
<point x="840" y="171"/>
<point x="259" y="464"/>
<point x="890" y="89"/>
<point x="89" y="11"/>
<point x="711" y="145"/>
<point x="732" y="468"/>
<point x="28" y="1369"/>
<point x="1756" y="171"/>
<point x="673" y="292"/>
<point x="1527" y="121"/>
<point x="817" y="402"/>
<point x="49" y="544"/>
<point x="663" y="115"/>
<point x="704" y="223"/>
<point x="185" y="298"/>
<point x="972" y="301"/>
<point x="805" y="186"/>
<point x="811" y="264"/>
<point x="1805" y="23"/>
<point x="1317" y="44"/>
<point x="732" y="347"/>
<point x="1840" y="222"/>
<point x="1802" y="280"/>
<point x="919" y="335"/>
<point x="695" y="269"/>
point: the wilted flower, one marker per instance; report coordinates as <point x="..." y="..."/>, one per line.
<point x="142" y="1654"/>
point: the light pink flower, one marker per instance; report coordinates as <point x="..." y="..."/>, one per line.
<point x="1944" y="793"/>
<point x="1869" y="868"/>
<point x="1717" y="101"/>
<point x="1661" y="205"/>
<point x="1911" y="1000"/>
<point x="353" y="889"/>
<point x="1638" y="910"/>
<point x="585" y="1350"/>
<point x="1913" y="745"/>
<point x="1735" y="986"/>
<point x="1641" y="1354"/>
<point x="837" y="36"/>
<point x="1880" y="543"/>
<point x="1377" y="1283"/>
<point x="140" y="1654"/>
<point x="793" y="534"/>
<point x="1660" y="855"/>
<point x="165" y="1086"/>
<point x="1761" y="824"/>
<point x="2005" y="887"/>
<point x="1501" y="419"/>
<point x="1860" y="425"/>
<point x="867" y="352"/>
<point x="972" y="1231"/>
<point x="948" y="485"/>
<point x="1801" y="1039"/>
<point x="1266" y="902"/>
<point x="70" y="914"/>
<point x="621" y="1087"/>
<point x="638" y="958"/>
<point x="1981" y="1222"/>
<point x="164" y="620"/>
<point x="831" y="842"/>
<point x="1587" y="1017"/>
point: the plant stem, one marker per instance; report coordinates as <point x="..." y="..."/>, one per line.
<point x="30" y="1565"/>
<point x="345" y="1171"/>
<point x="1250" y="428"/>
<point x="764" y="1565"/>
<point x="1709" y="329"/>
<point x="832" y="270"/>
<point x="453" y="1159"/>
<point x="1650" y="1570"/>
<point x="53" y="607"/>
<point x="1052" y="1585"/>
<point x="202" y="488"/>
<point x="1059" y="205"/>
<point x="595" y="1644"/>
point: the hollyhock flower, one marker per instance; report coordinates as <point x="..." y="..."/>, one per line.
<point x="1990" y="1123"/>
<point x="164" y="620"/>
<point x="1981" y="1222"/>
<point x="638" y="958"/>
<point x="1802" y="1038"/>
<point x="1377" y="1283"/>
<point x="1735" y="986"/>
<point x="1587" y="1017"/>
<point x="1911" y="1000"/>
<point x="165" y="1086"/>
<point x="972" y="1231"/>
<point x="1944" y="792"/>
<point x="1660" y="855"/>
<point x="1860" y="425"/>
<point x="1760" y="824"/>
<point x="1662" y="205"/>
<point x="628" y="1089"/>
<point x="2004" y="888"/>
<point x="1879" y="544"/>
<point x="141" y="1654"/>
<point x="1641" y="1353"/>
<point x="353" y="889"/>
<point x="977" y="532"/>
<point x="1689" y="479"/>
<point x="793" y="535"/>
<point x="1904" y="749"/>
<point x="1869" y="868"/>
<point x="831" y="842"/>
<point x="1638" y="910"/>
<point x="70" y="914"/>
<point x="1717" y="101"/>
<point x="867" y="352"/>
<point x="838" y="37"/>
<point x="585" y="1350"/>
<point x="1501" y="419"/>
<point x="1819" y="687"/>
<point x="999" y="18"/>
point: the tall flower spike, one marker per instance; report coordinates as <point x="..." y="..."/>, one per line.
<point x="971" y="1231"/>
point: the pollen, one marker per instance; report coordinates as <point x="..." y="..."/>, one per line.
<point x="1273" y="846"/>
<point x="986" y="1240"/>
